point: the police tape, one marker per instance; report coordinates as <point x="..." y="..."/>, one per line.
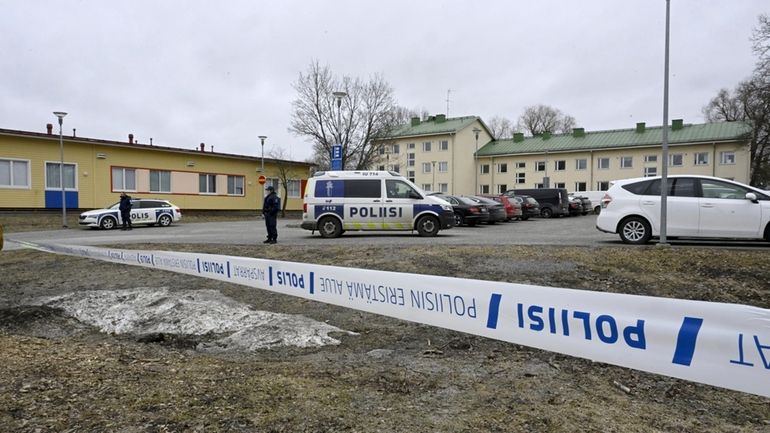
<point x="725" y="345"/>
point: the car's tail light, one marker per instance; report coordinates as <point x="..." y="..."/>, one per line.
<point x="473" y="209"/>
<point x="179" y="211"/>
<point x="606" y="200"/>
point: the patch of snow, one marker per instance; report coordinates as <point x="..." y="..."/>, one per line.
<point x="235" y="326"/>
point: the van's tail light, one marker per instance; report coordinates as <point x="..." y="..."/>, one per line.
<point x="606" y="200"/>
<point x="304" y="207"/>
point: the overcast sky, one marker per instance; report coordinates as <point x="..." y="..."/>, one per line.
<point x="221" y="72"/>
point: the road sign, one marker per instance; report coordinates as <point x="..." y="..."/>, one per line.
<point x="337" y="157"/>
<point x="262" y="179"/>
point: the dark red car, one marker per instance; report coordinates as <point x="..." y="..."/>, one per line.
<point x="512" y="209"/>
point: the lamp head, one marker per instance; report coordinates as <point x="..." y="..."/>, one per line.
<point x="60" y="115"/>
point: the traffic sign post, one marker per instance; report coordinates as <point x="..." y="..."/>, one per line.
<point x="261" y="179"/>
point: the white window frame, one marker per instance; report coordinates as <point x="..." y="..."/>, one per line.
<point x="484" y="169"/>
<point x="581" y="186"/>
<point x="521" y="178"/>
<point x="410" y="159"/>
<point x="275" y="183"/>
<point x="293" y="187"/>
<point x="602" y="185"/>
<point x="501" y="167"/>
<point x="701" y="158"/>
<point x="443" y="166"/>
<point x="581" y="164"/>
<point x="427" y="187"/>
<point x="521" y="165"/>
<point x="599" y="163"/>
<point x="626" y="162"/>
<point x="48" y="187"/>
<point x="232" y="180"/>
<point x="426" y="167"/>
<point x="122" y="176"/>
<point x="484" y="189"/>
<point x="11" y="177"/>
<point x="211" y="184"/>
<point x="672" y="160"/>
<point x="426" y="146"/>
<point x="502" y="187"/>
<point x="443" y="187"/>
<point x="560" y="165"/>
<point x="649" y="159"/>
<point x="540" y="165"/>
<point x="727" y="158"/>
<point x="443" y="145"/>
<point x="160" y="181"/>
<point x="410" y="146"/>
<point x="650" y="171"/>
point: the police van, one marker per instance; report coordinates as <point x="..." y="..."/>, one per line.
<point x="336" y="201"/>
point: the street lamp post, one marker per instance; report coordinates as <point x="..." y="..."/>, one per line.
<point x="664" y="170"/>
<point x="433" y="170"/>
<point x="262" y="139"/>
<point x="60" y="115"/>
<point x="338" y="97"/>
<point x="475" y="163"/>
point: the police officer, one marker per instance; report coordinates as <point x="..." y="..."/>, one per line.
<point x="125" y="210"/>
<point x="270" y="209"/>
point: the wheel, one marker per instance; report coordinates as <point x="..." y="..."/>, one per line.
<point x="108" y="223"/>
<point x="330" y="227"/>
<point x="546" y="212"/>
<point x="427" y="226"/>
<point x="458" y="220"/>
<point x="164" y="221"/>
<point x="634" y="230"/>
<point x="767" y="233"/>
<point x="597" y="209"/>
<point x="524" y="218"/>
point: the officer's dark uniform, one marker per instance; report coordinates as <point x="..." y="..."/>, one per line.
<point x="125" y="211"/>
<point x="270" y="208"/>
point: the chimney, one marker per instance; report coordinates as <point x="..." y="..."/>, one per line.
<point x="640" y="127"/>
<point x="74" y="132"/>
<point x="131" y="138"/>
<point x="150" y="141"/>
<point x="49" y="128"/>
<point x="212" y="148"/>
<point x="203" y="147"/>
<point x="415" y="121"/>
<point x="518" y="137"/>
<point x="677" y="124"/>
<point x="578" y="132"/>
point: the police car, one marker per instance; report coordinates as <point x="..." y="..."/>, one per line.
<point x="143" y="211"/>
<point x="336" y="201"/>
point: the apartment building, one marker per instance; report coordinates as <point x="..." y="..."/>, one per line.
<point x="584" y="160"/>
<point x="96" y="171"/>
<point x="436" y="153"/>
<point x="460" y="156"/>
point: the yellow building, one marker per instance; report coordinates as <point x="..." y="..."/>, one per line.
<point x="444" y="154"/>
<point x="437" y="153"/>
<point x="97" y="171"/>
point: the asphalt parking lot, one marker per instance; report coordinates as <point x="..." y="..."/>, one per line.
<point x="571" y="231"/>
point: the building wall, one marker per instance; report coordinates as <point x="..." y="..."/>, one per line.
<point x="593" y="176"/>
<point x="94" y="163"/>
<point x="461" y="167"/>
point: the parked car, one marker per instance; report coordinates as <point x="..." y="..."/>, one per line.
<point x="496" y="209"/>
<point x="512" y="207"/>
<point x="595" y="197"/>
<point x="585" y="203"/>
<point x="575" y="206"/>
<point x="529" y="206"/>
<point x="466" y="211"/>
<point x="143" y="211"/>
<point x="553" y="201"/>
<point x="698" y="207"/>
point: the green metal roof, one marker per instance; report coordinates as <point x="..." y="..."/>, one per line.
<point x="434" y="126"/>
<point x="651" y="136"/>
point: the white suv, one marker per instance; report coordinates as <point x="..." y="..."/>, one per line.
<point x="697" y="207"/>
<point x="143" y="211"/>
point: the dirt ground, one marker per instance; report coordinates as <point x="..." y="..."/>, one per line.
<point x="59" y="375"/>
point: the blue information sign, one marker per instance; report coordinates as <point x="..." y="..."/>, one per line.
<point x="337" y="157"/>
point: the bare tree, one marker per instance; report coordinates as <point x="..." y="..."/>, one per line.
<point x="366" y="113"/>
<point x="750" y="103"/>
<point x="500" y="127"/>
<point x="279" y="154"/>
<point x="538" y="119"/>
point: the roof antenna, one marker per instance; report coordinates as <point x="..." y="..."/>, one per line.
<point x="448" y="91"/>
